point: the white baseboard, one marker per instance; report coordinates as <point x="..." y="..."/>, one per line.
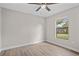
<point x="39" y="42"/>
<point x="68" y="47"/>
<point x="20" y="45"/>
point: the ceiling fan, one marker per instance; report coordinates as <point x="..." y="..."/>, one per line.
<point x="43" y="6"/>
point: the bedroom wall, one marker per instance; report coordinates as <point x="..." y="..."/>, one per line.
<point x="0" y="28"/>
<point x="20" y="29"/>
<point x="73" y="42"/>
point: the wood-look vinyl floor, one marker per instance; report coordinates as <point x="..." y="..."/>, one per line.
<point x="40" y="49"/>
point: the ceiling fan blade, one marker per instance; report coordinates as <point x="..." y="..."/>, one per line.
<point x="35" y="3"/>
<point x="43" y="3"/>
<point x="38" y="8"/>
<point x="47" y="8"/>
<point x="50" y="3"/>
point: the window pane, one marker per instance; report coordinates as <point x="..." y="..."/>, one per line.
<point x="62" y="31"/>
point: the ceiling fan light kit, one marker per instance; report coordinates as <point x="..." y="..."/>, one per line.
<point x="43" y="6"/>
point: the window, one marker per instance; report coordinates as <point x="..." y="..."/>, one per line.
<point x="62" y="27"/>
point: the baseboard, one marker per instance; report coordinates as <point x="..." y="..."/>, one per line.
<point x="39" y="42"/>
<point x="64" y="46"/>
<point x="29" y="44"/>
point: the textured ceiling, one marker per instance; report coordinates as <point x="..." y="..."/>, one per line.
<point x="30" y="9"/>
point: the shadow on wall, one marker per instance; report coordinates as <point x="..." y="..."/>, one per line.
<point x="36" y="33"/>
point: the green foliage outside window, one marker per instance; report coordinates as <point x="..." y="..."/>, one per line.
<point x="62" y="27"/>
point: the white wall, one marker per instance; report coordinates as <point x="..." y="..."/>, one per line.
<point x="0" y="28"/>
<point x="73" y="42"/>
<point x="20" y="29"/>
